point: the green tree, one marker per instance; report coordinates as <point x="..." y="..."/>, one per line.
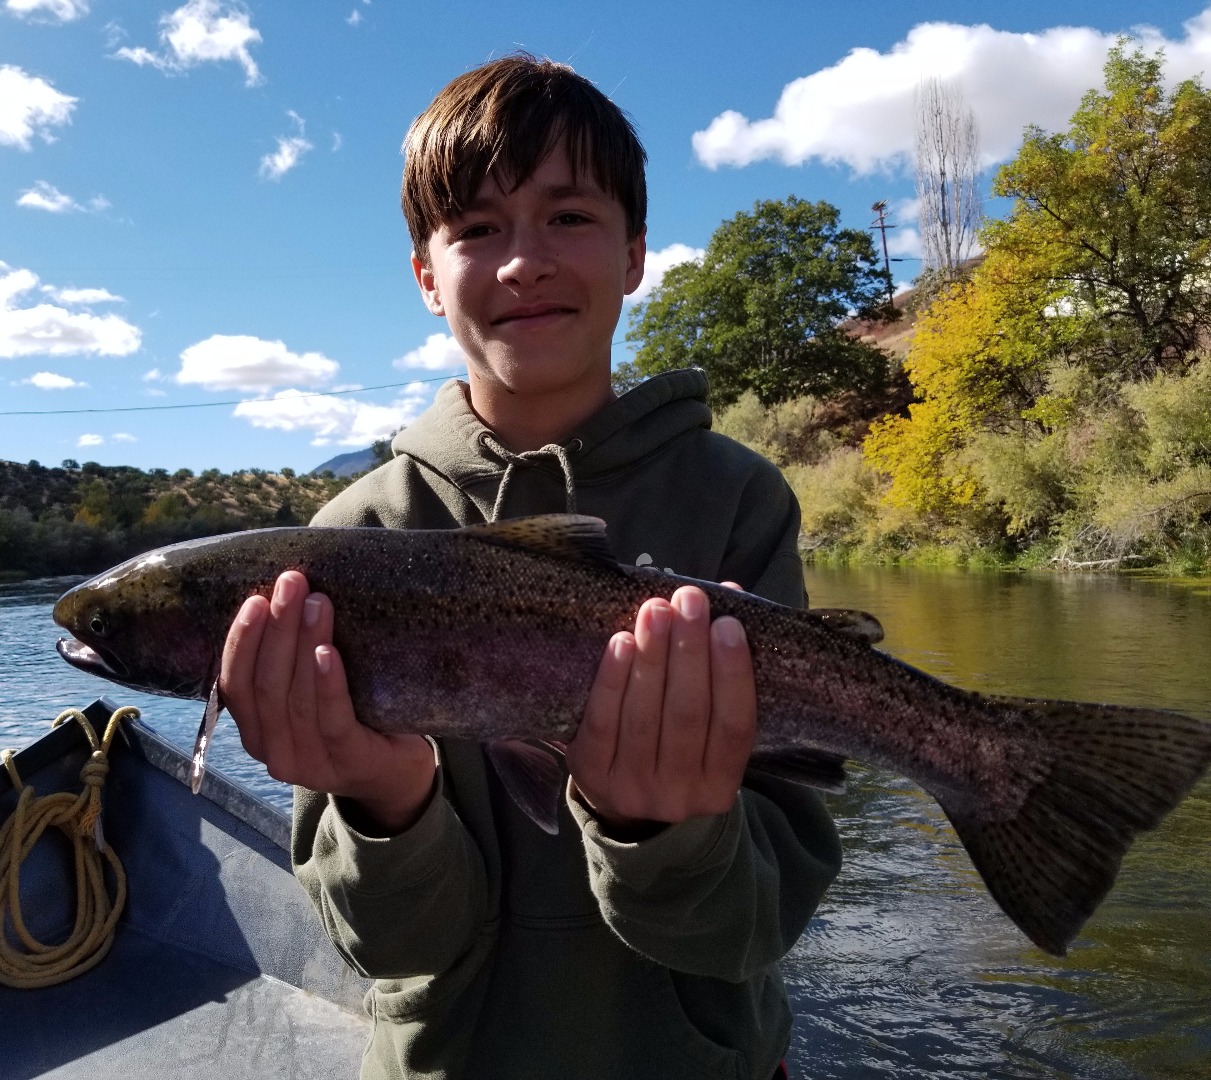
<point x="764" y="308"/>
<point x="1117" y="212"/>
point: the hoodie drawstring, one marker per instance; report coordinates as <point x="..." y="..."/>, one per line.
<point x="512" y="460"/>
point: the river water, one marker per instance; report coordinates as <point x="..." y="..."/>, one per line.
<point x="910" y="970"/>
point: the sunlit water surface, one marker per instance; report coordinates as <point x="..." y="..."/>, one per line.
<point x="910" y="970"/>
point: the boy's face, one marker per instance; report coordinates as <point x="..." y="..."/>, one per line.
<point x="531" y="282"/>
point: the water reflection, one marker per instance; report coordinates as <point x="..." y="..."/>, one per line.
<point x="911" y="971"/>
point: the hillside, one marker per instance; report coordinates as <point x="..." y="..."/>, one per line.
<point x="80" y="520"/>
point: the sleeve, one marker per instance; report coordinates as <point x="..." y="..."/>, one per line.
<point x="397" y="906"/>
<point x="727" y="896"/>
<point x="723" y="896"/>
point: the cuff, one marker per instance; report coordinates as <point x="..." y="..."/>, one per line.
<point x="374" y="865"/>
<point x="686" y="847"/>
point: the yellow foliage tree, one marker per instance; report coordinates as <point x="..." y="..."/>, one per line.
<point x="977" y="362"/>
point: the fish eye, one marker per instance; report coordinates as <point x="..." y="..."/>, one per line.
<point x="98" y="625"/>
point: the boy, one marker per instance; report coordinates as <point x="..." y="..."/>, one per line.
<point x="642" y="940"/>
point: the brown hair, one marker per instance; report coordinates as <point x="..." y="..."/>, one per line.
<point x="506" y="116"/>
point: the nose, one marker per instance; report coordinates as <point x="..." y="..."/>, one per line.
<point x="528" y="260"/>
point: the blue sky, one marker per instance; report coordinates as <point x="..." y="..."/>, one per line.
<point x="199" y="201"/>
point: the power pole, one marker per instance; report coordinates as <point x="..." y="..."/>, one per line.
<point x="880" y="223"/>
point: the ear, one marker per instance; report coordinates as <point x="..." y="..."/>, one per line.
<point x="637" y="250"/>
<point x="429" y="290"/>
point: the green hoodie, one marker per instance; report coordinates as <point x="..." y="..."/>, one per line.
<point x="501" y="951"/>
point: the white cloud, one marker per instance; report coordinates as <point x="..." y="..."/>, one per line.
<point x="48" y="380"/>
<point x="90" y="440"/>
<point x="440" y="352"/>
<point x="30" y="106"/>
<point x="123" y="436"/>
<point x="337" y="141"/>
<point x="83" y="296"/>
<point x="342" y="421"/>
<point x="859" y="112"/>
<point x="290" y="151"/>
<point x="354" y="18"/>
<point x="657" y="263"/>
<point x="199" y="32"/>
<point x="46" y="10"/>
<point x="241" y="362"/>
<point x="44" y="196"/>
<point x="47" y="329"/>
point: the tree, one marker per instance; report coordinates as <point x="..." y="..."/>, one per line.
<point x="763" y="310"/>
<point x="1117" y="211"/>
<point x="978" y="362"/>
<point x="948" y="170"/>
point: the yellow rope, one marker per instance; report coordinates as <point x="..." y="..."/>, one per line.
<point x="31" y="964"/>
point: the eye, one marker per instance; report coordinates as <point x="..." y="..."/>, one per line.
<point x="98" y="625"/>
<point x="475" y="232"/>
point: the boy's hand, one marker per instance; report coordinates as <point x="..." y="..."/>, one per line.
<point x="284" y="684"/>
<point x="670" y="720"/>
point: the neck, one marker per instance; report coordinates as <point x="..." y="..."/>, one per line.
<point x="529" y="421"/>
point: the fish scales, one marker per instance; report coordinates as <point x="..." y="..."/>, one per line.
<point x="494" y="633"/>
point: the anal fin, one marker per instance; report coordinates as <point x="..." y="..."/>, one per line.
<point x="814" y="768"/>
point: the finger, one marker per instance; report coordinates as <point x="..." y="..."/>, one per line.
<point x="237" y="670"/>
<point x="334" y="710"/>
<point x="277" y="658"/>
<point x="732" y="585"/>
<point x="642" y="705"/>
<point x="733" y="709"/>
<point x="591" y="753"/>
<point x="314" y="630"/>
<point x="687" y="694"/>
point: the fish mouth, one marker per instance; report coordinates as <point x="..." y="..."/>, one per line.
<point x="87" y="659"/>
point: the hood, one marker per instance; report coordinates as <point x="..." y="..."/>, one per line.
<point x="451" y="440"/>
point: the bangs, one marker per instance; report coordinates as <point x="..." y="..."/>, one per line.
<point x="504" y="120"/>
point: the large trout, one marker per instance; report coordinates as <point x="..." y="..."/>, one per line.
<point x="494" y="633"/>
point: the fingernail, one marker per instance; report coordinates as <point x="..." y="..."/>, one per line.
<point x="728" y="632"/>
<point x="311" y="611"/>
<point x="691" y="603"/>
<point x="283" y="592"/>
<point x="622" y="645"/>
<point x="323" y="659"/>
<point x="661" y="616"/>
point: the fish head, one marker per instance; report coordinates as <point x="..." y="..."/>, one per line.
<point x="132" y="625"/>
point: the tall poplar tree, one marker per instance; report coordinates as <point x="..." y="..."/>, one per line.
<point x="948" y="172"/>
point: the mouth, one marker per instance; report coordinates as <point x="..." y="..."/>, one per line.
<point x="533" y="314"/>
<point x="87" y="659"/>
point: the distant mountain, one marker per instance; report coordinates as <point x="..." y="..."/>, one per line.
<point x="357" y="461"/>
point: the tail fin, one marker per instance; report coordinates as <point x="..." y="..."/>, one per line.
<point x="1115" y="772"/>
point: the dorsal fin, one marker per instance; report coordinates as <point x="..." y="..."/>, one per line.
<point x="574" y="537"/>
<point x="853" y="624"/>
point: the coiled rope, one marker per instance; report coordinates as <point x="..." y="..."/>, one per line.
<point x="29" y="963"/>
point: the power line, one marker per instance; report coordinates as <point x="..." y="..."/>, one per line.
<point x="242" y="401"/>
<point x="217" y="404"/>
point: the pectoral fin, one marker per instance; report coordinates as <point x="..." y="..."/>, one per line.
<point x="210" y="717"/>
<point x="532" y="777"/>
